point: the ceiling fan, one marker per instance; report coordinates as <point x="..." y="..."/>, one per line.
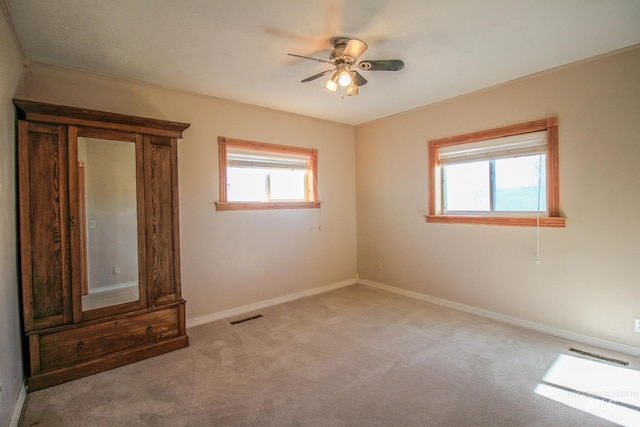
<point x="343" y="57"/>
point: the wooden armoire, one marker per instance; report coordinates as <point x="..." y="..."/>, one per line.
<point x="99" y="240"/>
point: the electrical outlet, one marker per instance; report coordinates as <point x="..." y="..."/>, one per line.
<point x="636" y="324"/>
<point x="379" y="264"/>
<point x="116" y="270"/>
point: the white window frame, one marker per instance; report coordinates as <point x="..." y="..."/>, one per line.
<point x="477" y="145"/>
<point x="279" y="153"/>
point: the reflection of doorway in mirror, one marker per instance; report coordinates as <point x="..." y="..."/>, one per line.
<point x="82" y="194"/>
<point x="110" y="222"/>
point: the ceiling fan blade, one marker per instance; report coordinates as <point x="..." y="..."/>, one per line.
<point x="315" y="76"/>
<point x="382" y="65"/>
<point x="354" y="49"/>
<point x="308" y="57"/>
<point x="358" y="79"/>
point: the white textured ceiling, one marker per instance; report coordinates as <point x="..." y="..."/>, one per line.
<point x="237" y="49"/>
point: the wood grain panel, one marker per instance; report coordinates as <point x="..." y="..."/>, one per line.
<point x="161" y="268"/>
<point x="47" y="215"/>
<point x="108" y="361"/>
<point x="61" y="114"/>
<point x="85" y="343"/>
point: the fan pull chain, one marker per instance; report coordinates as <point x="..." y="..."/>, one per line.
<point x="320" y="227"/>
<point x="538" y="261"/>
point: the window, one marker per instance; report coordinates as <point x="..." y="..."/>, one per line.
<point x="506" y="176"/>
<point x="257" y="175"/>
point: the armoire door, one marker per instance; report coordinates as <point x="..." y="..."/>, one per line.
<point x="163" y="240"/>
<point x="45" y="256"/>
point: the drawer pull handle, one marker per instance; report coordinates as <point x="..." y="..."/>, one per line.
<point x="149" y="328"/>
<point x="80" y="345"/>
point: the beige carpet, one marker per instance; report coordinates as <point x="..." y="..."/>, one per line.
<point x="356" y="356"/>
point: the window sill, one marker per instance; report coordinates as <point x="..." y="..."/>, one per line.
<point x="246" y="206"/>
<point x="498" y="220"/>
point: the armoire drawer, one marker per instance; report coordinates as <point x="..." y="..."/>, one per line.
<point x="71" y="346"/>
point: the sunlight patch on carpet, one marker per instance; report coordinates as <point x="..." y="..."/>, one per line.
<point x="606" y="391"/>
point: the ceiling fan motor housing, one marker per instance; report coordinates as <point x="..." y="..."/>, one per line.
<point x="340" y="44"/>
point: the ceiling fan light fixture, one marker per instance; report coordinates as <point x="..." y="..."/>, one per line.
<point x="352" y="89"/>
<point x="345" y="79"/>
<point x="332" y="83"/>
<point x="344" y="75"/>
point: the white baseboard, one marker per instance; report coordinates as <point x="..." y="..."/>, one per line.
<point x="17" y="409"/>
<point x="268" y="303"/>
<point x="549" y="330"/>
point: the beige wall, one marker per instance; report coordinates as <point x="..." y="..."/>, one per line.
<point x="589" y="279"/>
<point x="230" y="259"/>
<point x="10" y="352"/>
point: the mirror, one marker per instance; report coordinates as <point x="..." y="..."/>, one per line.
<point x="108" y="222"/>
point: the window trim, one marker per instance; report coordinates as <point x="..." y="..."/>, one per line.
<point x="312" y="153"/>
<point x="553" y="217"/>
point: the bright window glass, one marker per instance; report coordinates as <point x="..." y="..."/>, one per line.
<point x="467" y="187"/>
<point x="503" y="185"/>
<point x="288" y="184"/>
<point x="247" y="184"/>
<point x="263" y="185"/>
<point x="520" y="184"/>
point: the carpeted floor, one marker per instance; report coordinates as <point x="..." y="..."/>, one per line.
<point x="356" y="356"/>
